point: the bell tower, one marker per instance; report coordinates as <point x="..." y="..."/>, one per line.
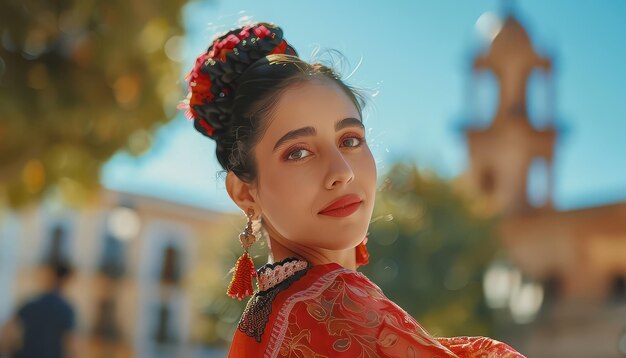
<point x="502" y="154"/>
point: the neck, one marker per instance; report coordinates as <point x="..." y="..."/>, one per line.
<point x="315" y="256"/>
<point x="53" y="289"/>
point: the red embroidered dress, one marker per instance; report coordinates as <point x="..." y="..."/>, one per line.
<point x="329" y="311"/>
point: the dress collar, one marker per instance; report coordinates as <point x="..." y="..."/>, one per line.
<point x="270" y="275"/>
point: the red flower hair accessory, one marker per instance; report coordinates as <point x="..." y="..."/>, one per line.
<point x="214" y="76"/>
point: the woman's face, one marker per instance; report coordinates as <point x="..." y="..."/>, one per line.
<point x="312" y="153"/>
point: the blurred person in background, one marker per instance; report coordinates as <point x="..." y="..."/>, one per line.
<point x="44" y="326"/>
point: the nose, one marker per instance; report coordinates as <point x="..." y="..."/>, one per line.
<point x="339" y="171"/>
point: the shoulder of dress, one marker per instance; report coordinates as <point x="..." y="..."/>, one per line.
<point x="301" y="289"/>
<point x="341" y="285"/>
<point x="478" y="345"/>
<point x="357" y="281"/>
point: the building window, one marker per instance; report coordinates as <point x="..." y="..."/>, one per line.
<point x="540" y="97"/>
<point x="163" y="334"/>
<point x="170" y="268"/>
<point x="57" y="249"/>
<point x="538" y="183"/>
<point x="112" y="263"/>
<point x="484" y="98"/>
<point x="552" y="289"/>
<point x="105" y="326"/>
<point x="618" y="289"/>
<point x="487" y="181"/>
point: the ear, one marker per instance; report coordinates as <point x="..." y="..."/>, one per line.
<point x="243" y="194"/>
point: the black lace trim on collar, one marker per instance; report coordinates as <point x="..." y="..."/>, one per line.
<point x="259" y="307"/>
<point x="275" y="264"/>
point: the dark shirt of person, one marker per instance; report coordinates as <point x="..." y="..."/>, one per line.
<point x="46" y="320"/>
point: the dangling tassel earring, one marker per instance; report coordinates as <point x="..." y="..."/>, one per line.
<point x="362" y="255"/>
<point x="241" y="283"/>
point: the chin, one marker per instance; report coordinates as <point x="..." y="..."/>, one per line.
<point x="344" y="240"/>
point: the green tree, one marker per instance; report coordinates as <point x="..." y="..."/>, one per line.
<point x="80" y="80"/>
<point x="429" y="249"/>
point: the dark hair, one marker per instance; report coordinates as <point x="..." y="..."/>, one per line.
<point x="251" y="80"/>
<point x="256" y="96"/>
<point x="60" y="270"/>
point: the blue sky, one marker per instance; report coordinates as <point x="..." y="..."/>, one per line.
<point x="413" y="57"/>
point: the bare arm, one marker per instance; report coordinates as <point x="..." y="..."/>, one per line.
<point x="72" y="345"/>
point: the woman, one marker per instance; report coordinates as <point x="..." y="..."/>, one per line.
<point x="291" y="138"/>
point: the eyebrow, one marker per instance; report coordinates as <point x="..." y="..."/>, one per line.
<point x="310" y="131"/>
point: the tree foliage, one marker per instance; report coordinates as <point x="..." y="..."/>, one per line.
<point x="80" y="80"/>
<point x="429" y="250"/>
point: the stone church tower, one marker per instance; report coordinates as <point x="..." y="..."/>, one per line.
<point x="501" y="155"/>
<point x="576" y="257"/>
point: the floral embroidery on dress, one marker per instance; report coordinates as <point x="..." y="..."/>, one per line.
<point x="332" y="311"/>
<point x="356" y="329"/>
<point x="272" y="279"/>
<point x="356" y="319"/>
<point x="346" y="314"/>
<point x="478" y="347"/>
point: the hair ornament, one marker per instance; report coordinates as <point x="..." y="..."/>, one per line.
<point x="213" y="78"/>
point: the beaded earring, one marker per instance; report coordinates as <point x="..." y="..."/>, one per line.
<point x="241" y="284"/>
<point x="362" y="255"/>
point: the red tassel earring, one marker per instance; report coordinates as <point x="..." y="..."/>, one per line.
<point x="241" y="283"/>
<point x="362" y="255"/>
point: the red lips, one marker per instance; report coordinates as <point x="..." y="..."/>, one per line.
<point x="342" y="202"/>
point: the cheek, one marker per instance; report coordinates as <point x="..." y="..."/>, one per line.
<point x="367" y="171"/>
<point x="287" y="197"/>
<point x="367" y="175"/>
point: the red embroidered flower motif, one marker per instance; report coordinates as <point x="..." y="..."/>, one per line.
<point x="245" y="32"/>
<point x="280" y="48"/>
<point x="221" y="48"/>
<point x="199" y="87"/>
<point x="200" y="91"/>
<point x="207" y="127"/>
<point x="200" y="83"/>
<point x="261" y="31"/>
